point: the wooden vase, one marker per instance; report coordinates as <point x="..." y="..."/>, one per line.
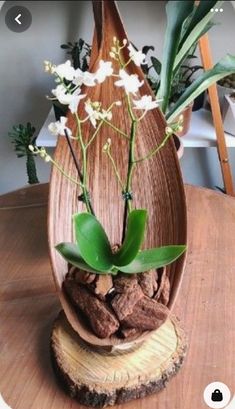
<point x="157" y="184"/>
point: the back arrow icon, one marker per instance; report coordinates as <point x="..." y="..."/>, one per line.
<point x="17" y="19"/>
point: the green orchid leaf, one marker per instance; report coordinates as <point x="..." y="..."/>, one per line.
<point x="223" y="68"/>
<point x="177" y="13"/>
<point x="197" y="27"/>
<point x="70" y="253"/>
<point x="133" y="239"/>
<point x="153" y="258"/>
<point x="93" y="242"/>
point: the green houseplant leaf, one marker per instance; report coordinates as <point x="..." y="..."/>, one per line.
<point x="198" y="26"/>
<point x="70" y="253"/>
<point x="223" y="68"/>
<point x="153" y="258"/>
<point x="199" y="12"/>
<point x="133" y="239"/>
<point x="177" y="12"/>
<point x="92" y="242"/>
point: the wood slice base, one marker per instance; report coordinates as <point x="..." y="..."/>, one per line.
<point x="99" y="380"/>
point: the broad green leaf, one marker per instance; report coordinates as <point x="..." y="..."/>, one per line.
<point x="223" y="68"/>
<point x="177" y="12"/>
<point x="196" y="29"/>
<point x="153" y="258"/>
<point x="199" y="12"/>
<point x="70" y="253"/>
<point x="92" y="242"/>
<point x="133" y="239"/>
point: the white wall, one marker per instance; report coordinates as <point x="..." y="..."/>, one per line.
<point x="23" y="83"/>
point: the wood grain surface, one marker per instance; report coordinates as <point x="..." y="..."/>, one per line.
<point x="99" y="379"/>
<point x="205" y="306"/>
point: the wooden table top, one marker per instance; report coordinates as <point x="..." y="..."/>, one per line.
<point x="29" y="304"/>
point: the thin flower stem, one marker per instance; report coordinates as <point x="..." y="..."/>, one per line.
<point x="94" y="134"/>
<point x="116" y="129"/>
<point x="61" y="170"/>
<point x="155" y="150"/>
<point x="99" y="126"/>
<point x="115" y="169"/>
<point x="85" y="190"/>
<point x="131" y="164"/>
<point x="73" y="155"/>
<point x="142" y="116"/>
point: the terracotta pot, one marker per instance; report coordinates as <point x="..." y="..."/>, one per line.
<point x="187" y="114"/>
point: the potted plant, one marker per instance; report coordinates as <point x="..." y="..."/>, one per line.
<point x="99" y="276"/>
<point x="225" y="86"/>
<point x="186" y="23"/>
<point x="181" y="81"/>
<point x="120" y="291"/>
<point x="21" y="137"/>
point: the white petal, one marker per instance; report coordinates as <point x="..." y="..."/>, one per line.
<point x="65" y="71"/>
<point x="3" y="404"/>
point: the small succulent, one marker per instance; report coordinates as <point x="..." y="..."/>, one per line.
<point x="21" y="137"/>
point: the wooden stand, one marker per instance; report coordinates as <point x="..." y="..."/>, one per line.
<point x="100" y="379"/>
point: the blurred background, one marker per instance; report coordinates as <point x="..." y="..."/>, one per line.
<point x="24" y="84"/>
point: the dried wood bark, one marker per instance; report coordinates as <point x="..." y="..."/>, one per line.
<point x="124" y="303"/>
<point x="100" y="317"/>
<point x="147" y="314"/>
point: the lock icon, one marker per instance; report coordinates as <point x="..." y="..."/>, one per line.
<point x="217" y="396"/>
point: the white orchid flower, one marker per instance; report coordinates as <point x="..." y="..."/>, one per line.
<point x="60" y="93"/>
<point x="131" y="83"/>
<point x="76" y="98"/>
<point x="58" y="127"/>
<point x="93" y="114"/>
<point x="137" y="56"/>
<point x="78" y="77"/>
<point x="105" y="115"/>
<point x="87" y="78"/>
<point x="65" y="71"/>
<point x="3" y="404"/>
<point x="105" y="70"/>
<point x="66" y="98"/>
<point x="145" y="103"/>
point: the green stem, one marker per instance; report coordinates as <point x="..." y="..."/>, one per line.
<point x="115" y="170"/>
<point x="85" y="190"/>
<point x="65" y="174"/>
<point x="155" y="150"/>
<point x="116" y="129"/>
<point x="94" y="134"/>
<point x="131" y="165"/>
<point x="131" y="162"/>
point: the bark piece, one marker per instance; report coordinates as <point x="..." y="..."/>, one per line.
<point x="123" y="283"/>
<point x="123" y="303"/>
<point x="147" y="314"/>
<point x="102" y="285"/>
<point x="130" y="332"/>
<point x="148" y="282"/>
<point x="102" y="320"/>
<point x="165" y="294"/>
<point x="82" y="277"/>
<point x="161" y="281"/>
